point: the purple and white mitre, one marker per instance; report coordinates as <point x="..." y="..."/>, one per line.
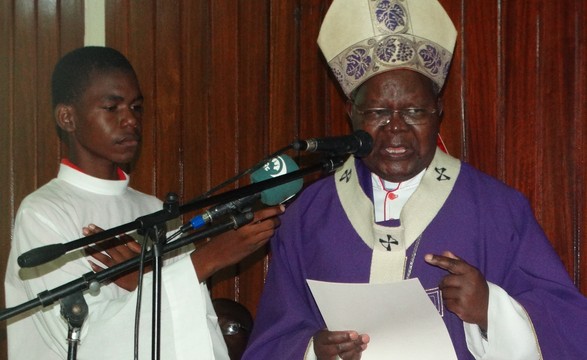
<point x="362" y="38"/>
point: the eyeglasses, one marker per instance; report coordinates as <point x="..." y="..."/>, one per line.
<point x="379" y="117"/>
<point x="232" y="328"/>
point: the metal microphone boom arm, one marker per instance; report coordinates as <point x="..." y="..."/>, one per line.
<point x="44" y="254"/>
<point x="83" y="283"/>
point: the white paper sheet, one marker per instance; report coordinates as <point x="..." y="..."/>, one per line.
<point x="400" y="318"/>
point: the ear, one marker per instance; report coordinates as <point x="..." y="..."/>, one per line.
<point x="440" y="106"/>
<point x="349" y="107"/>
<point x="349" y="112"/>
<point x="65" y="117"/>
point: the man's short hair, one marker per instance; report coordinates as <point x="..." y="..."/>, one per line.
<point x="71" y="75"/>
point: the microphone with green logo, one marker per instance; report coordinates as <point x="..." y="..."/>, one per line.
<point x="275" y="167"/>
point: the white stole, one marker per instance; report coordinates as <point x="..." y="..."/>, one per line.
<point x="389" y="244"/>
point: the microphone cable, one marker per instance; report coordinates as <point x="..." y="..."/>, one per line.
<point x="207" y="194"/>
<point x="139" y="296"/>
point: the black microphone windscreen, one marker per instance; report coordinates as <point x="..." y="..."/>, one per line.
<point x="366" y="143"/>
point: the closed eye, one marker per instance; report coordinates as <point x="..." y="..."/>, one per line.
<point x="415" y="111"/>
<point x="375" y="112"/>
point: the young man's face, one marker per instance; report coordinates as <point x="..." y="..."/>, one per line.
<point x="108" y="120"/>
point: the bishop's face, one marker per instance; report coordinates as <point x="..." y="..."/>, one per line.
<point x="400" y="110"/>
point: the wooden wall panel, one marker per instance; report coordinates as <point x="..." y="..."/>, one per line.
<point x="195" y="67"/>
<point x="24" y="130"/>
<point x="557" y="134"/>
<point x="519" y="44"/>
<point x="228" y="82"/>
<point x="312" y="66"/>
<point x="70" y="23"/>
<point x="195" y="71"/>
<point x="48" y="35"/>
<point x="167" y="93"/>
<point x="224" y="119"/>
<point x="33" y="35"/>
<point x="7" y="206"/>
<point x="139" y="41"/>
<point x="253" y="135"/>
<point x="452" y="121"/>
<point x="579" y="90"/>
<point x="481" y="66"/>
<point x="284" y="111"/>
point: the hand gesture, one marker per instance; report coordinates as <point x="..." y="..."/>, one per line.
<point x="114" y="251"/>
<point x="464" y="290"/>
<point x="348" y="345"/>
<point x="231" y="247"/>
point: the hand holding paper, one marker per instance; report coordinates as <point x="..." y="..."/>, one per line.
<point x="345" y="344"/>
<point x="399" y="318"/>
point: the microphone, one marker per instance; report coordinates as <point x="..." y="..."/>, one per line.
<point x="275" y="167"/>
<point x="218" y="211"/>
<point x="359" y="143"/>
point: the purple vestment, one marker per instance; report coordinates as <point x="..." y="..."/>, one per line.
<point x="483" y="221"/>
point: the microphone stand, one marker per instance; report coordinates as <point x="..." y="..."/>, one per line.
<point x="154" y="223"/>
<point x="158" y="243"/>
<point x="47" y="253"/>
<point x="74" y="307"/>
<point x="157" y="232"/>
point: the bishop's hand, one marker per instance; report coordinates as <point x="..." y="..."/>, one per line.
<point x="464" y="290"/>
<point x="348" y="345"/>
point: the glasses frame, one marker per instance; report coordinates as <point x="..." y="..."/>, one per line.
<point x="410" y="115"/>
